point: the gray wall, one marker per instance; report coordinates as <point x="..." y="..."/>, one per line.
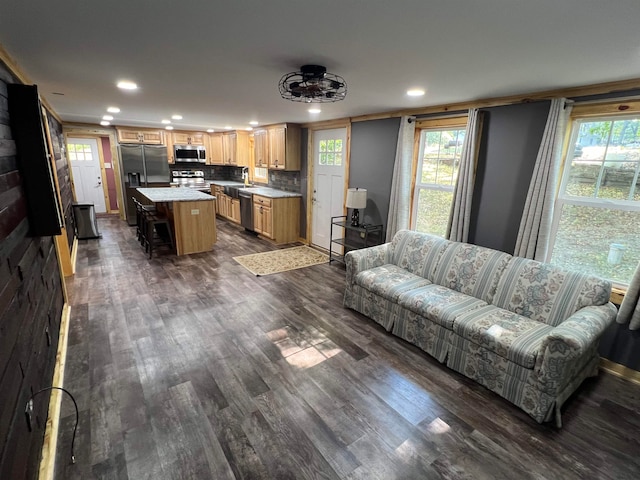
<point x="373" y="151"/>
<point x="510" y="141"/>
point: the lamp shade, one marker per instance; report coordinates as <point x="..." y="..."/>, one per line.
<point x="356" y="198"/>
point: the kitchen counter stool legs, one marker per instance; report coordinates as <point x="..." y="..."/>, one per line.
<point x="157" y="230"/>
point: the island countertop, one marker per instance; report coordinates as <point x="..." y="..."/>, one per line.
<point x="168" y="194"/>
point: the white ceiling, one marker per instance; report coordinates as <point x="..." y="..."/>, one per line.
<point x="218" y="63"/>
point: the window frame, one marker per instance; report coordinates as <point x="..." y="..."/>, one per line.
<point x="458" y="122"/>
<point x="599" y="112"/>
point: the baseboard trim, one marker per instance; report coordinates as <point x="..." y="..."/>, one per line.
<point x="620" y="370"/>
<point x="74" y="255"/>
<point x="48" y="458"/>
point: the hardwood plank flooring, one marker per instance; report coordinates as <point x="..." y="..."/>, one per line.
<point x="193" y="368"/>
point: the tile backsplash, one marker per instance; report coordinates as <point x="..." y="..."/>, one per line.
<point x="288" y="181"/>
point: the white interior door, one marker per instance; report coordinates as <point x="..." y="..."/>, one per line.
<point x="87" y="173"/>
<point x="329" y="156"/>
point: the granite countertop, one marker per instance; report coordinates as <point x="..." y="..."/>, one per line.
<point x="264" y="191"/>
<point x="271" y="192"/>
<point x="225" y="183"/>
<point x="168" y="194"/>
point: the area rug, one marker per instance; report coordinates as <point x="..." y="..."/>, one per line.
<point x="281" y="260"/>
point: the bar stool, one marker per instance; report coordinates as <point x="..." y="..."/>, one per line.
<point x="139" y="220"/>
<point x="156" y="230"/>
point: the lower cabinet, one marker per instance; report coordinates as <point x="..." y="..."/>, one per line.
<point x="277" y="218"/>
<point x="226" y="206"/>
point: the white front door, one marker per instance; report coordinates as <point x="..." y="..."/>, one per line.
<point x="87" y="173"/>
<point x="329" y="157"/>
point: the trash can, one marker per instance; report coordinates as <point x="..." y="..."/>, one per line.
<point x="84" y="215"/>
<point x="616" y="251"/>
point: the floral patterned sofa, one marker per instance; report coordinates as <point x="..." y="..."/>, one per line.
<point x="526" y="330"/>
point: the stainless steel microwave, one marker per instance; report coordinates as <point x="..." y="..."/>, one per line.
<point x="190" y="153"/>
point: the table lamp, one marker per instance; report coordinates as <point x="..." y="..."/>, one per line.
<point x="356" y="198"/>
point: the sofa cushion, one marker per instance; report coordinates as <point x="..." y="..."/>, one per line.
<point x="417" y="252"/>
<point x="389" y="281"/>
<point x="439" y="304"/>
<point x="505" y="333"/>
<point x="471" y="269"/>
<point x="546" y="293"/>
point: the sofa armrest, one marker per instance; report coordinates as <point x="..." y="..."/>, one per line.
<point x="357" y="261"/>
<point x="570" y="345"/>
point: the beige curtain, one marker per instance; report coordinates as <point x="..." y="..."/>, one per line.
<point x="400" y="200"/>
<point x="630" y="308"/>
<point x="460" y="217"/>
<point x="535" y="225"/>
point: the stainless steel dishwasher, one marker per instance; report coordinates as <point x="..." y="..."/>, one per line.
<point x="246" y="209"/>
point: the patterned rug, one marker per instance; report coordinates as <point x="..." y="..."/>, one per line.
<point x="281" y="260"/>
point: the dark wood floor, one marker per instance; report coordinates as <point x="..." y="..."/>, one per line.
<point x="191" y="367"/>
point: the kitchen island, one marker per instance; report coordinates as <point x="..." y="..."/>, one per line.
<point x="192" y="216"/>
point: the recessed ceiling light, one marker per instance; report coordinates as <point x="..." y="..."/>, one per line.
<point x="104" y="123"/>
<point x="210" y="130"/>
<point x="249" y="128"/>
<point x="177" y="117"/>
<point x="113" y="110"/>
<point x="107" y="117"/>
<point x="253" y="122"/>
<point x="415" y="92"/>
<point x="168" y="127"/>
<point x="314" y="110"/>
<point x="126" y="85"/>
<point x="165" y="121"/>
<point x="227" y="127"/>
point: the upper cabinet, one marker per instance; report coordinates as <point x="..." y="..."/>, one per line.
<point x="235" y="148"/>
<point x="277" y="147"/>
<point x="189" y="138"/>
<point x="261" y="147"/>
<point x="215" y="151"/>
<point x="135" y="135"/>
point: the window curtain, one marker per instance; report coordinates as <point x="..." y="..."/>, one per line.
<point x="630" y="308"/>
<point x="460" y="217"/>
<point x="400" y="200"/>
<point x="535" y="225"/>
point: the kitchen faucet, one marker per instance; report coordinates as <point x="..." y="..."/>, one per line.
<point x="245" y="175"/>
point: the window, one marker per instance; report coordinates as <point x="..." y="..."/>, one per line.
<point x="437" y="171"/>
<point x="596" y="226"/>
<point x="330" y="152"/>
<point x="79" y="152"/>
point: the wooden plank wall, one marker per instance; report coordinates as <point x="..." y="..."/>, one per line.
<point x="31" y="301"/>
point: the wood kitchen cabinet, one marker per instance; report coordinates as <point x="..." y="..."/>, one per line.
<point x="137" y="135"/>
<point x="215" y="150"/>
<point x="188" y="138"/>
<point x="234" y="213"/>
<point x="277" y="218"/>
<point x="235" y="147"/>
<point x="261" y="147"/>
<point x="217" y="192"/>
<point x="226" y="206"/>
<point x="284" y="147"/>
<point x="171" y="153"/>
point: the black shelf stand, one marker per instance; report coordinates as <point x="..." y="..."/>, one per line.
<point x="352" y="237"/>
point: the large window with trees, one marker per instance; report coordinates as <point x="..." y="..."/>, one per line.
<point x="439" y="148"/>
<point x="596" y="226"/>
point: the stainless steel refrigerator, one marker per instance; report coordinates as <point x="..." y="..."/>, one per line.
<point x="142" y="166"/>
